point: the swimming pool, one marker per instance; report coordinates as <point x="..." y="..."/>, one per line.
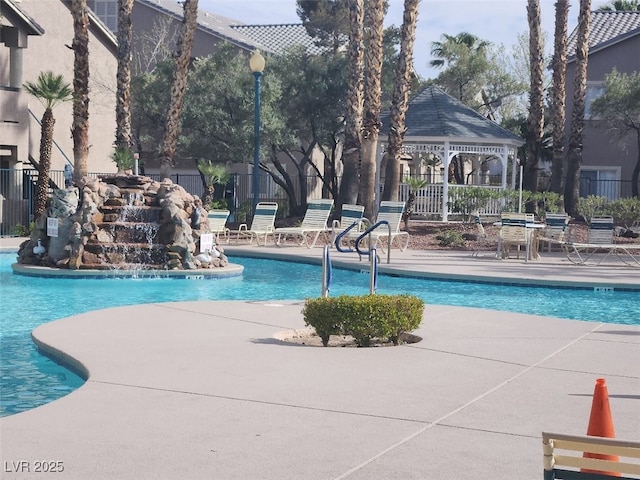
<point x="28" y="379"/>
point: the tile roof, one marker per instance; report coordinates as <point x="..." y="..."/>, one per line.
<point x="607" y="28"/>
<point x="434" y="114"/>
<point x="269" y="38"/>
<point x="213" y="24"/>
<point x="277" y="38"/>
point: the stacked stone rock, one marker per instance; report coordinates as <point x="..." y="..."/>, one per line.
<point x="123" y="222"/>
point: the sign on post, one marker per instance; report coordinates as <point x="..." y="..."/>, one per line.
<point x="206" y="242"/>
<point x="52" y="227"/>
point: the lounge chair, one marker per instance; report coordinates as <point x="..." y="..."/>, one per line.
<point x="313" y="224"/>
<point x="556" y="229"/>
<point x="390" y="212"/>
<point x="513" y="233"/>
<point x="351" y="214"/>
<point x="589" y="457"/>
<point x="262" y="224"/>
<point x="600" y="241"/>
<point x="218" y="225"/>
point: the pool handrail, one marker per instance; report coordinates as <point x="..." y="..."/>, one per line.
<point x="368" y="232"/>
<point x="339" y="238"/>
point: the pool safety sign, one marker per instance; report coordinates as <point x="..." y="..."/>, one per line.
<point x="52" y="227"/>
<point x="206" y="242"/>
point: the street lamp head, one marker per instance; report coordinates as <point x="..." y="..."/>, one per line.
<point x="256" y="62"/>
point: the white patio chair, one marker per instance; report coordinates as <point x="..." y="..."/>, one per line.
<point x="390" y="212"/>
<point x="555" y="231"/>
<point x="313" y="224"/>
<point x="513" y="233"/>
<point x="262" y="224"/>
<point x="351" y="214"/>
<point x="218" y="224"/>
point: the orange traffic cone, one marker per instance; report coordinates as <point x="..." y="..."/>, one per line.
<point x="601" y="424"/>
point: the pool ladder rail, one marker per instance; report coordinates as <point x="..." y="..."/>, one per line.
<point x="371" y="252"/>
<point x="364" y="235"/>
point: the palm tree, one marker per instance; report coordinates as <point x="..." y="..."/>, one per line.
<point x="574" y="150"/>
<point x="354" y="105"/>
<point x="80" y="128"/>
<point x="178" y="87"/>
<point x="51" y="90"/>
<point x="536" y="97"/>
<point x="372" y="102"/>
<point x="415" y="184"/>
<point x="212" y="174"/>
<point x="451" y="46"/>
<point x="558" y="93"/>
<point x="621" y="6"/>
<point x="123" y="76"/>
<point x="400" y="100"/>
<point x="463" y="58"/>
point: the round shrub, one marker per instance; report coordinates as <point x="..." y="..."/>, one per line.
<point x="366" y="317"/>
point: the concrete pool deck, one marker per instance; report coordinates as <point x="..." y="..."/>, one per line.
<point x="204" y="390"/>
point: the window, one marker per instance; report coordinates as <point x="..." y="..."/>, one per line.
<point x="594" y="90"/>
<point x="107" y="11"/>
<point x="601" y="182"/>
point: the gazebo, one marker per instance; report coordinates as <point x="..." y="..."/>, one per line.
<point x="442" y="126"/>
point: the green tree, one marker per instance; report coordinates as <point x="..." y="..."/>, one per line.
<point x="415" y="184"/>
<point x="327" y="21"/>
<point x="312" y="104"/>
<point x="212" y="175"/>
<point x="619" y="107"/>
<point x="463" y="60"/>
<point x="51" y="90"/>
<point x="620" y="6"/>
<point x="479" y="74"/>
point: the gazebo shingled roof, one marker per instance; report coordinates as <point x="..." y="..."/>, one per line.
<point x="432" y="113"/>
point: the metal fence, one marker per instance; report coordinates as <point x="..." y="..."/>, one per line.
<point x="610" y="189"/>
<point x="17" y="189"/>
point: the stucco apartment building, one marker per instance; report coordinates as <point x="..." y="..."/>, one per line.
<point x="35" y="37"/>
<point x="614" y="43"/>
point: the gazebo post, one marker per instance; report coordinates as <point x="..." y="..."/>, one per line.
<point x="445" y="183"/>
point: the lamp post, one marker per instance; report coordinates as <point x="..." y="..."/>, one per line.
<point x="256" y="64"/>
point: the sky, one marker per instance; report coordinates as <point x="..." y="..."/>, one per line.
<point x="497" y="21"/>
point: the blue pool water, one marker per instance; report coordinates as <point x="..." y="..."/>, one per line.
<point x="28" y="379"/>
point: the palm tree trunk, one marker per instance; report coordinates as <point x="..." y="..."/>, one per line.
<point x="123" y="76"/>
<point x="80" y="128"/>
<point x="558" y="98"/>
<point x="178" y="87"/>
<point x="372" y="105"/>
<point x="400" y="100"/>
<point x="574" y="151"/>
<point x="636" y="170"/>
<point x="46" y="140"/>
<point x="353" y="127"/>
<point x="536" y="98"/>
